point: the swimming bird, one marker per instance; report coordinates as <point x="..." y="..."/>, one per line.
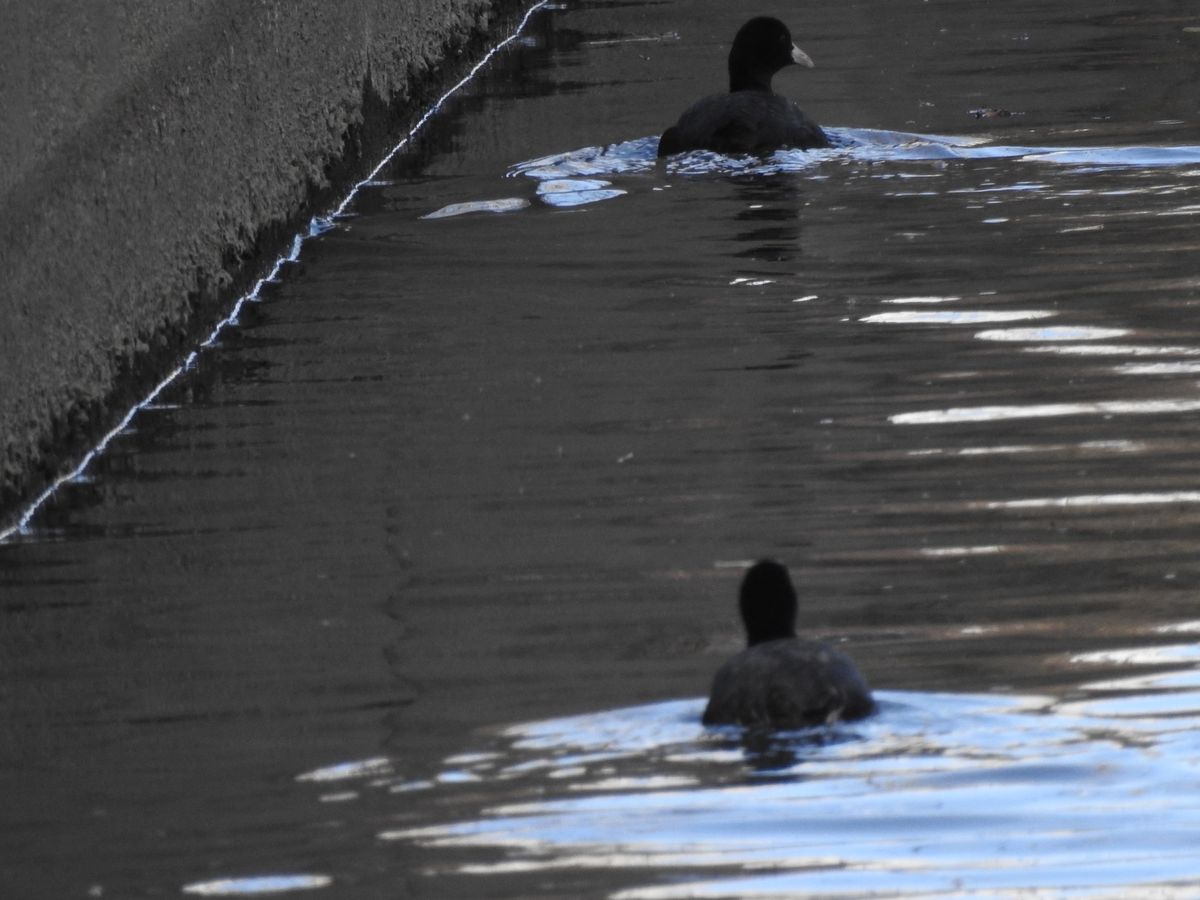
<point x="751" y="118"/>
<point x="780" y="680"/>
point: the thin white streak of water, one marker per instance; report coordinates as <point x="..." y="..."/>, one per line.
<point x="1161" y="368"/>
<point x="262" y="884"/>
<point x="959" y="414"/>
<point x="1115" y="350"/>
<point x="1149" y="498"/>
<point x="940" y="552"/>
<point x="1118" y="446"/>
<point x="1052" y="333"/>
<point x="957" y="316"/>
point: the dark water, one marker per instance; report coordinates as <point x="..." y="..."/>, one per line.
<point x="492" y="449"/>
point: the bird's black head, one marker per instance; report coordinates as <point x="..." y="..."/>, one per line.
<point x="767" y="602"/>
<point x="761" y="48"/>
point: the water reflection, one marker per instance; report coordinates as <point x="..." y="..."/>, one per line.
<point x="1045" y="410"/>
<point x="938" y="792"/>
<point x="257" y="886"/>
<point x="1115" y="349"/>
<point x="851" y="146"/>
<point x="956" y="316"/>
<point x="1176" y="368"/>
<point x="1119" y="446"/>
<point x="1053" y="333"/>
<point x="1091" y="500"/>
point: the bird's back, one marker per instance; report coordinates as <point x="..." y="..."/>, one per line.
<point x="788" y="683"/>
<point x="754" y="122"/>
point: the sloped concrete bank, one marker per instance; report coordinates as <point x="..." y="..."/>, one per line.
<point x="152" y="152"/>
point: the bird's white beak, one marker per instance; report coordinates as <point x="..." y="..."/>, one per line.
<point x="800" y="58"/>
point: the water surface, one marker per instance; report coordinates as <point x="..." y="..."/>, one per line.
<point x="502" y="465"/>
<point x="938" y="794"/>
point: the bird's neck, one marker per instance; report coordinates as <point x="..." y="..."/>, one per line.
<point x="748" y="74"/>
<point x="749" y="82"/>
<point x="772" y="634"/>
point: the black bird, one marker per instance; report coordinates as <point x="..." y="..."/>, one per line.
<point x="751" y="118"/>
<point x="780" y="680"/>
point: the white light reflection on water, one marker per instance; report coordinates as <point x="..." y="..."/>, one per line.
<point x="958" y="414"/>
<point x="955" y="316"/>
<point x="1171" y="368"/>
<point x="376" y="766"/>
<point x="1115" y="350"/>
<point x="939" y="793"/>
<point x="1149" y="498"/>
<point x="566" y="192"/>
<point x="1117" y="446"/>
<point x="981" y="550"/>
<point x="257" y="886"/>
<point x="1142" y="656"/>
<point x="1179" y="628"/>
<point x="1052" y="333"/>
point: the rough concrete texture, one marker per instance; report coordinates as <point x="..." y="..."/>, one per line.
<point x="146" y="147"/>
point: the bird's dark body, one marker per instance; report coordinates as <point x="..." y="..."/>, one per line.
<point x="751" y="121"/>
<point x="788" y="683"/>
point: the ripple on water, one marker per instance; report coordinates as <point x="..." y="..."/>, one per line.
<point x="580" y="177"/>
<point x="939" y="792"/>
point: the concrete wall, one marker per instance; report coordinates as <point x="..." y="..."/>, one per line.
<point x="145" y="145"/>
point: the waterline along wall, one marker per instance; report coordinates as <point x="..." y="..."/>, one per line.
<point x="149" y="149"/>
